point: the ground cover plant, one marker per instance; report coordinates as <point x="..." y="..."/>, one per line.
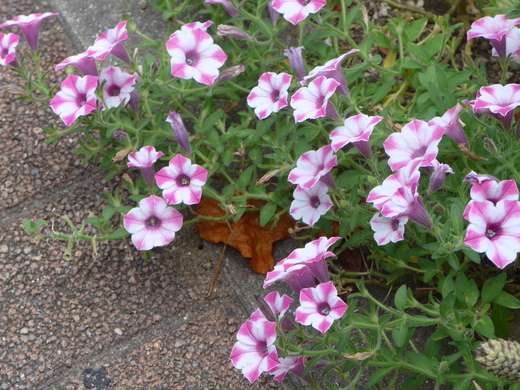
<point x="390" y="141"/>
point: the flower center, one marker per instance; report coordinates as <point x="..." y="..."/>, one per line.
<point x="191" y="58"/>
<point x="492" y="231"/>
<point x="324" y="309"/>
<point x="81" y="99"/>
<point x="304" y="2"/>
<point x="152" y="222"/>
<point x="275" y="95"/>
<point x="315" y="202"/>
<point x="114" y="90"/>
<point x="183" y="181"/>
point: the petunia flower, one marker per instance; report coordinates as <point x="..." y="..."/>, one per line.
<point x="117" y="87"/>
<point x="438" y="175"/>
<point x="8" y="43"/>
<point x="197" y="26"/>
<point x="270" y="95"/>
<point x="356" y="130"/>
<point x="294" y="364"/>
<point x="313" y="101"/>
<point x="145" y="159"/>
<point x="153" y="223"/>
<point x="303" y="265"/>
<point x="274" y="304"/>
<point x="512" y="42"/>
<point x="451" y="124"/>
<point x="332" y="69"/>
<point x="417" y="141"/>
<point x="492" y="191"/>
<point x="499" y="100"/>
<point x="314" y="166"/>
<point x="110" y="42"/>
<point x="495" y="29"/>
<point x="181" y="181"/>
<point x="474" y="177"/>
<point x="179" y="131"/>
<point x="310" y="204"/>
<point x="194" y="55"/>
<point x="230" y="8"/>
<point x="297" y="10"/>
<point x="320" y="306"/>
<point x="388" y="229"/>
<point x="494" y="230"/>
<point x="273" y="14"/>
<point x="30" y="25"/>
<point x="294" y="55"/>
<point x="255" y="351"/>
<point x="82" y="61"/>
<point x="76" y="98"/>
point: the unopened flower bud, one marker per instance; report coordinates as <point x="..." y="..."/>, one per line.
<point x="438" y="175"/>
<point x="489" y="145"/>
<point x="294" y="54"/>
<point x="223" y="30"/>
<point x="229" y="73"/>
<point x="179" y="131"/>
<point x="500" y="357"/>
<point x="265" y="308"/>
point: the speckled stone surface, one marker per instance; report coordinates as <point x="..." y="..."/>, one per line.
<point x="110" y="320"/>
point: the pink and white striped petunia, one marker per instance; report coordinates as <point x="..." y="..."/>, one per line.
<point x="8" y="43"/>
<point x="499" y="100"/>
<point x="303" y="265"/>
<point x="417" y="141"/>
<point x="313" y="101"/>
<point x="492" y="191"/>
<point x="451" y="124"/>
<point x="145" y="159"/>
<point x="153" y="223"/>
<point x="297" y="10"/>
<point x="229" y="7"/>
<point x="181" y="181"/>
<point x="495" y="29"/>
<point x="255" y="351"/>
<point x="82" y="61"/>
<point x="117" y="87"/>
<point x="76" y="98"/>
<point x="494" y="230"/>
<point x="314" y="166"/>
<point x="310" y="204"/>
<point x="356" y="129"/>
<point x="332" y="69"/>
<point x="512" y="42"/>
<point x="270" y="95"/>
<point x="294" y="364"/>
<point x="194" y="55"/>
<point x="30" y="25"/>
<point x="320" y="306"/>
<point x="388" y="229"/>
<point x="277" y="305"/>
<point x="110" y="42"/>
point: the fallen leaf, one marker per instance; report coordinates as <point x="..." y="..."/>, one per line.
<point x="247" y="236"/>
<point x="360" y="356"/>
<point x="469" y="154"/>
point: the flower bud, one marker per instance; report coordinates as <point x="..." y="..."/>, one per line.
<point x="489" y="145"/>
<point x="294" y="54"/>
<point x="179" y="131"/>
<point x="265" y="308"/>
<point x="229" y="73"/>
<point x="223" y="30"/>
<point x="500" y="357"/>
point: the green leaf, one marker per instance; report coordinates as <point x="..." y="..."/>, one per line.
<point x="358" y="238"/>
<point x="420" y="53"/>
<point x="507" y="300"/>
<point x="485" y="327"/>
<point x="119" y="234"/>
<point x="412" y="31"/>
<point x="400" y="298"/>
<point x="447" y="305"/>
<point x="493" y="287"/>
<point x="378" y="375"/>
<point x="463" y="385"/>
<point x="400" y="335"/>
<point x="267" y="213"/>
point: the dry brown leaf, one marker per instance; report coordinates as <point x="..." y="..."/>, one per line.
<point x="247" y="236"/>
<point x="469" y="154"/>
<point x="360" y="356"/>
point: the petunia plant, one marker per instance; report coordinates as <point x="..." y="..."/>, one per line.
<point x="395" y="156"/>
